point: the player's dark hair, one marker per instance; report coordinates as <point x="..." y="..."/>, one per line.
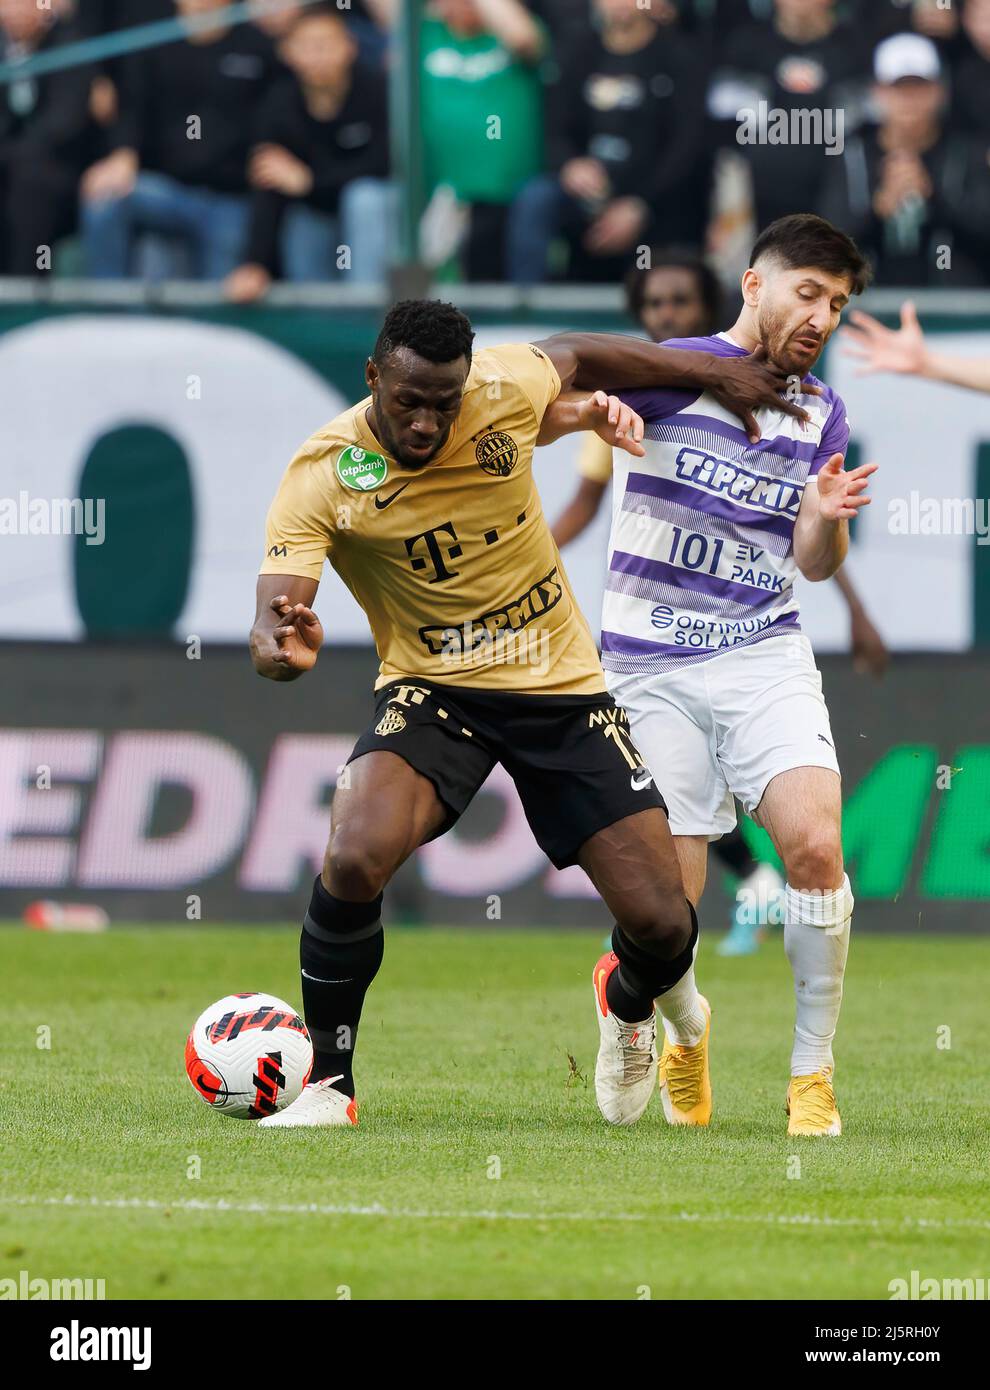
<point x="806" y="240"/>
<point x="428" y="327"/>
<point x="673" y="258"/>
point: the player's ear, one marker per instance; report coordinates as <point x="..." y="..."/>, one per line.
<point x="371" y="373"/>
<point x="750" y="286"/>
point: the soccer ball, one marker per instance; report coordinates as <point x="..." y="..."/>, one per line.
<point x="249" y="1055"/>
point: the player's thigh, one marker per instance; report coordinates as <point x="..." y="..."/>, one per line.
<point x="671" y="726"/>
<point x="634" y="866"/>
<point x="692" y="855"/>
<point x="411" y="774"/>
<point x="771" y="718"/>
<point x="801" y="810"/>
<point x="382" y="811"/>
<point x="590" y="800"/>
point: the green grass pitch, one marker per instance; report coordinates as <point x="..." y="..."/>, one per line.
<point x="464" y="1072"/>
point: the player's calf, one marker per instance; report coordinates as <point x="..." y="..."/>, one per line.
<point x="816" y="939"/>
<point x="802" y="810"/>
<point x="683" y="1072"/>
<point x="654" y="941"/>
<point x="340" y="953"/>
<point x="634" y="866"/>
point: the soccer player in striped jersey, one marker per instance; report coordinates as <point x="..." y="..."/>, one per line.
<point x="679" y="297"/>
<point x="702" y="644"/>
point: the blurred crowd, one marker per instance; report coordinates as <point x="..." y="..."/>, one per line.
<point x="559" y="138"/>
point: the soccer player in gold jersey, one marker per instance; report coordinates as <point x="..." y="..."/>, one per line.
<point x="422" y="498"/>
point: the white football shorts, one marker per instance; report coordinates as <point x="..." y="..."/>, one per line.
<point x="726" y="726"/>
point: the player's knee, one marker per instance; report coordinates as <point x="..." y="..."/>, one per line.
<point x="661" y="924"/>
<point x="816" y="862"/>
<point x="357" y="866"/>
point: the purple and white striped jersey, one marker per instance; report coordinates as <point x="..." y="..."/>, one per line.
<point x="701" y="548"/>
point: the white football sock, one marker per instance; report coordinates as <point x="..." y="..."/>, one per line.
<point x="816" y="939"/>
<point x="684" y="1020"/>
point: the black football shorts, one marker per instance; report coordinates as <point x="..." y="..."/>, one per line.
<point x="571" y="757"/>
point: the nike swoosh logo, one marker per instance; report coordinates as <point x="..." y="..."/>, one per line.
<point x="319" y="981"/>
<point x="599" y="990"/>
<point x="382" y="502"/>
<point x="640" y="780"/>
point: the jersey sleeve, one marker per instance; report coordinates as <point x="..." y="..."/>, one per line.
<point x="835" y="436"/>
<point x="301" y="520"/>
<point x="595" y="459"/>
<point x="532" y="371"/>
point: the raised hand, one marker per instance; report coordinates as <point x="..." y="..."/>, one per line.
<point x="841" y="494"/>
<point x="613" y="421"/>
<point x="881" y="349"/>
<point x="744" y="384"/>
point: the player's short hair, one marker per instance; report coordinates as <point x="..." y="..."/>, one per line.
<point x="428" y="327"/>
<point x="803" y="239"/>
<point x="675" y="258"/>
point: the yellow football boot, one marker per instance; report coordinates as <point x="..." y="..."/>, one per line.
<point x="685" y="1083"/>
<point x="811" y="1105"/>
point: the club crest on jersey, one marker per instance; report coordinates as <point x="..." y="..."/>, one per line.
<point x="497" y="453"/>
<point x="360" y="469"/>
<point x="391" y="722"/>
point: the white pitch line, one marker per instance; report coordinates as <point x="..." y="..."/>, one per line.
<point x="221" y="1206"/>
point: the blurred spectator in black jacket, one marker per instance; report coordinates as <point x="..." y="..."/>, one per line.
<point x="178" y="170"/>
<point x="971" y="76"/>
<point x="320" y="205"/>
<point x="46" y="139"/>
<point x="805" y="61"/>
<point x="625" y="145"/>
<point x="915" y="196"/>
<point x="92" y="18"/>
<point x="368" y="20"/>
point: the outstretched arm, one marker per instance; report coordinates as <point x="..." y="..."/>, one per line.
<point x="904" y="350"/>
<point x="287" y="634"/>
<point x="740" y="384"/>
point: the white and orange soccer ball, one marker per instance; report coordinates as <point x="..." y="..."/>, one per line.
<point x="249" y="1055"/>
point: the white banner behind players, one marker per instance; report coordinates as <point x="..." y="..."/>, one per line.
<point x="67" y="381"/>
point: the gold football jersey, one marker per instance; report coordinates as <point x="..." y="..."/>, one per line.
<point x="454" y="565"/>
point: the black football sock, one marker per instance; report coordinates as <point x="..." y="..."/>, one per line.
<point x="735" y="854"/>
<point x="340" y="951"/>
<point x="642" y="975"/>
